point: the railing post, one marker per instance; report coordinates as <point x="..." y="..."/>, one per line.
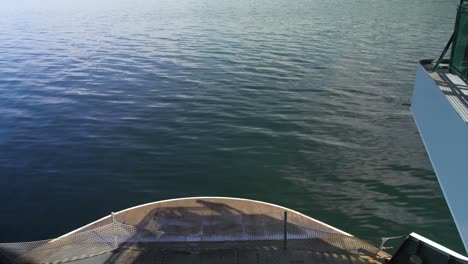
<point x="436" y="67"/>
<point x="285" y="230"/>
<point x="113" y="230"/>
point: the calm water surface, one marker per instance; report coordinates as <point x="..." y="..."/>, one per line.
<point x="303" y="103"/>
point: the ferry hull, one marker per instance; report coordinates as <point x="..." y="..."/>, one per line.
<point x="445" y="136"/>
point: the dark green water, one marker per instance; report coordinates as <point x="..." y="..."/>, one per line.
<point x="301" y="103"/>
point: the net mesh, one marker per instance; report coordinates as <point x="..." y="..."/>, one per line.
<point x="113" y="241"/>
<point x="209" y="229"/>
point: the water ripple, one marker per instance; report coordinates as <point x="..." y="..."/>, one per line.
<point x="305" y="103"/>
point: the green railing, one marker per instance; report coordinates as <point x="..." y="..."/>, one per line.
<point x="459" y="43"/>
<point x="459" y="55"/>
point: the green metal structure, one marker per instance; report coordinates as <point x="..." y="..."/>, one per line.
<point x="459" y="55"/>
<point x="459" y="43"/>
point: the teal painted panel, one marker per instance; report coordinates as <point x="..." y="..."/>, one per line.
<point x="445" y="136"/>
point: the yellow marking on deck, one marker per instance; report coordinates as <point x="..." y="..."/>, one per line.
<point x="367" y="259"/>
<point x="132" y="248"/>
<point x="362" y="259"/>
<point x="65" y="260"/>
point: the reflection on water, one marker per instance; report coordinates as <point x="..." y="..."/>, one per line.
<point x="304" y="104"/>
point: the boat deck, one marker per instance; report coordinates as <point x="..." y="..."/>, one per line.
<point x="454" y="88"/>
<point x="204" y="230"/>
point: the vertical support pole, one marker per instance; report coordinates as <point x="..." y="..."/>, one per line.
<point x="285" y="230"/>
<point x="113" y="229"/>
